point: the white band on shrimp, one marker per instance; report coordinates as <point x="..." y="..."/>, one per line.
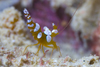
<point x="45" y="28"/>
<point x="28" y="21"/>
<point x="37" y="27"/>
<point x="26" y="11"/>
<point x="53" y="24"/>
<point x="30" y="25"/>
<point x="47" y="31"/>
<point x="39" y="35"/>
<point x="54" y="31"/>
<point x="48" y="38"/>
<point x="26" y="15"/>
<point x="29" y="17"/>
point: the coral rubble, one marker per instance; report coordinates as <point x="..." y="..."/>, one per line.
<point x="12" y="59"/>
<point x="85" y="19"/>
<point x="12" y="28"/>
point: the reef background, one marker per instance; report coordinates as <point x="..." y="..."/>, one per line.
<point x="80" y="38"/>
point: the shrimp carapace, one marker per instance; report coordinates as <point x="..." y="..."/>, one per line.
<point x="44" y="38"/>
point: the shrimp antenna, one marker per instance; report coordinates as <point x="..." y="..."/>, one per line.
<point x="71" y="18"/>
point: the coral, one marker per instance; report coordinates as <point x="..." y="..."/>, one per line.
<point x="95" y="42"/>
<point x="85" y="19"/>
<point x="10" y="58"/>
<point x="12" y="28"/>
<point x="26" y="3"/>
<point x="58" y="3"/>
<point x="70" y="5"/>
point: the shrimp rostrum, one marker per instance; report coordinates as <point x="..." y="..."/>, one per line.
<point x="44" y="38"/>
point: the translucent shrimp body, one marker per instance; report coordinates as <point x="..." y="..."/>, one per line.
<point x="44" y="38"/>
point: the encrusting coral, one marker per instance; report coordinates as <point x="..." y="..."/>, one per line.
<point x="95" y="42"/>
<point x="85" y="20"/>
<point x="86" y="17"/>
<point x="12" y="28"/>
<point x="10" y="58"/>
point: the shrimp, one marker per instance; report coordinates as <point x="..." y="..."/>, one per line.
<point x="44" y="38"/>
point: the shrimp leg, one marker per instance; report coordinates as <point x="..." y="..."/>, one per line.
<point x="29" y="46"/>
<point x="42" y="49"/>
<point x="38" y="49"/>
